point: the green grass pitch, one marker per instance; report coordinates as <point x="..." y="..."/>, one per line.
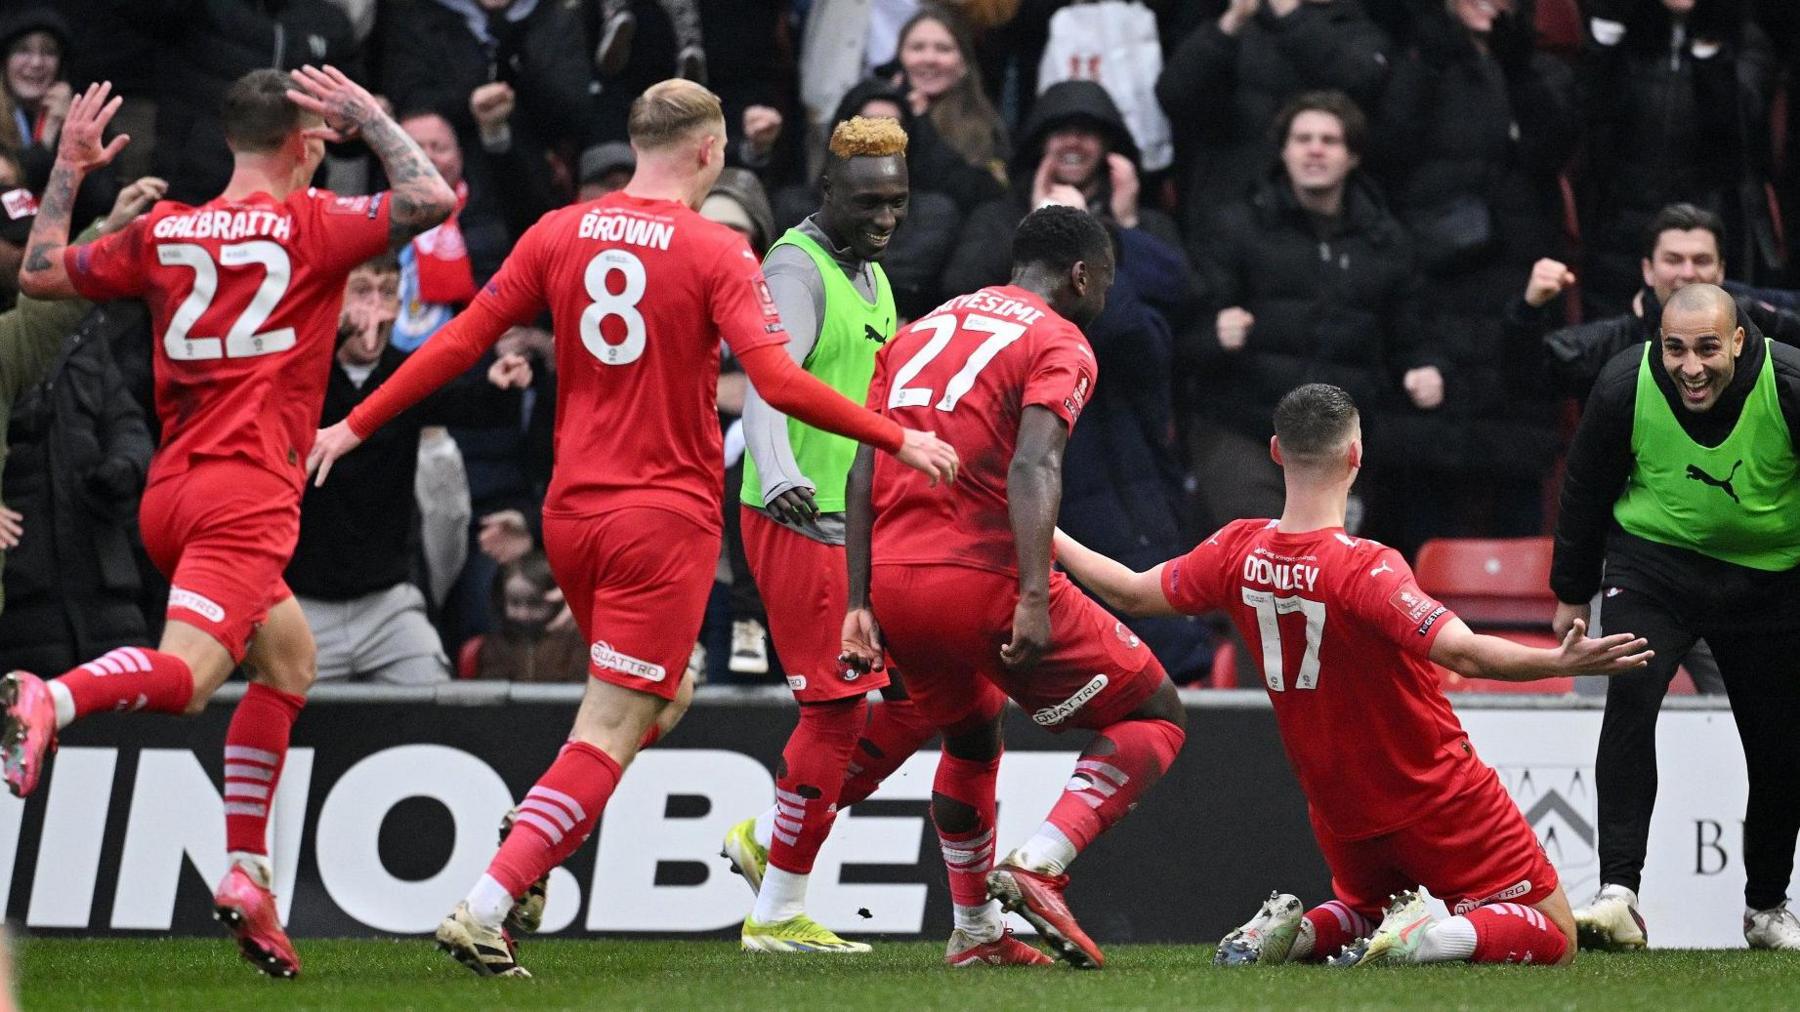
<point x="411" y="974"/>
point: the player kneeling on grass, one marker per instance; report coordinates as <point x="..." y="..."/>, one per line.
<point x="1346" y="641"/>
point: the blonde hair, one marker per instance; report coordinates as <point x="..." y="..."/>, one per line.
<point x="861" y="136"/>
<point x="669" y="111"/>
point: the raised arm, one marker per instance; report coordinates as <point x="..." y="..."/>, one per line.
<point x="1475" y="655"/>
<point x="420" y="197"/>
<point x="78" y="152"/>
<point x="1139" y="595"/>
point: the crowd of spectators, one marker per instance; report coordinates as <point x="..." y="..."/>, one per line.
<point x="1455" y="209"/>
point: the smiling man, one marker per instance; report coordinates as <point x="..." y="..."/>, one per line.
<point x="839" y="310"/>
<point x="1681" y="501"/>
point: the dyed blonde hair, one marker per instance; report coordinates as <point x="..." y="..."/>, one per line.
<point x="861" y="136"/>
<point x="669" y="111"/>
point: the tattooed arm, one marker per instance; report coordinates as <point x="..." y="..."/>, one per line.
<point x="78" y="152"/>
<point x="418" y="197"/>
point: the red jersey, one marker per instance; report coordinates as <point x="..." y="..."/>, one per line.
<point x="967" y="371"/>
<point x="1341" y="632"/>
<point x="244" y="298"/>
<point x="640" y="292"/>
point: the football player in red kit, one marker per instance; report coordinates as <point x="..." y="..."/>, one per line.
<point x="1346" y="642"/>
<point x="641" y="289"/>
<point x="956" y="581"/>
<point x="244" y="293"/>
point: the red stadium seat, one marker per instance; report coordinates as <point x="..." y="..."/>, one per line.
<point x="1490" y="582"/>
<point x="467" y="656"/>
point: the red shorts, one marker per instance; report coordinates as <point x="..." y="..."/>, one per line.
<point x="804" y="586"/>
<point x="222" y="533"/>
<point x="637" y="580"/>
<point x="944" y="626"/>
<point x="1472" y="850"/>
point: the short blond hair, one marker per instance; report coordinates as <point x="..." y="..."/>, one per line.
<point x="861" y="136"/>
<point x="669" y="111"/>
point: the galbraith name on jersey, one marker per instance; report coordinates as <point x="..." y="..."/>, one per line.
<point x="224" y="225"/>
<point x="613" y="225"/>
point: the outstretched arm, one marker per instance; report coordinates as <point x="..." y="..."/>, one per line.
<point x="420" y="197"/>
<point x="78" y="152"/>
<point x="1474" y="655"/>
<point x="1139" y="595"/>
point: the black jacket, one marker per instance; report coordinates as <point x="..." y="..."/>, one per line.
<point x="80" y="450"/>
<point x="1664" y="125"/>
<point x="1221" y="93"/>
<point x="210" y="44"/>
<point x="358" y="531"/>
<point x="1337" y="309"/>
<point x="1600" y="461"/>
<point x="1574" y="356"/>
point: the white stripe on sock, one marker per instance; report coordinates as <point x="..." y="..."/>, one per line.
<point x="255" y="755"/>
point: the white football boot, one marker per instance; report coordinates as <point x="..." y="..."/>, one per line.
<point x="1611" y="921"/>
<point x="1774" y="928"/>
<point x="1265" y="938"/>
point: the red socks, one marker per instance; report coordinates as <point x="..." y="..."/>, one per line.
<point x="1334" y="926"/>
<point x="256" y="744"/>
<point x="559" y="811"/>
<point x="1118" y="767"/>
<point x="1515" y="933"/>
<point x="895" y="731"/>
<point x="130" y="678"/>
<point x="812" y="776"/>
<point x="964" y="808"/>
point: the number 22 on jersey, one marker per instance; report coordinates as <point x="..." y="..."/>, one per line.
<point x="242" y="339"/>
<point x="1269" y="610"/>
<point x="1001" y="333"/>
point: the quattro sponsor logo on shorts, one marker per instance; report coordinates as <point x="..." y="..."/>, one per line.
<point x="604" y="656"/>
<point x="204" y="607"/>
<point x="1511" y="892"/>
<point x="1050" y="716"/>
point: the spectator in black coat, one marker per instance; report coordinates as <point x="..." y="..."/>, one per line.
<point x="1224" y="84"/>
<point x="1676" y="94"/>
<point x="207" y="45"/>
<point x="1312" y="280"/>
<point x="1472" y="130"/>
<point x="79" y="449"/>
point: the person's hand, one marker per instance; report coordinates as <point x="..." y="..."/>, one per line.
<point x="564" y="618"/>
<point x="510" y="372"/>
<point x="504" y="536"/>
<point x="1548" y="279"/>
<point x="1566" y="616"/>
<point x="12" y="528"/>
<point x="492" y="106"/>
<point x="925" y="452"/>
<point x="762" y="128"/>
<point x="1030" y="634"/>
<point x="79" y="146"/>
<point x="133" y="200"/>
<point x="1238" y="14"/>
<point x="1608" y="655"/>
<point x="331" y="444"/>
<point x="859" y="645"/>
<point x="1234" y="327"/>
<point x="57" y="99"/>
<point x="1124" y="179"/>
<point x="1282" y="8"/>
<point x="345" y="106"/>
<point x="794" y="506"/>
<point x="1046" y="190"/>
<point x="1425" y="385"/>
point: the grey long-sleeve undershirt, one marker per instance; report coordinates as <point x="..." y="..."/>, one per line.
<point x="799" y="294"/>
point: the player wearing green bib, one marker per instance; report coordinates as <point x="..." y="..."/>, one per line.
<point x="1681" y="500"/>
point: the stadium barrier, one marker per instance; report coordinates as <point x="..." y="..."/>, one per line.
<point x="390" y="802"/>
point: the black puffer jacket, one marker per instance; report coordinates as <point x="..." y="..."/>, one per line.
<point x="1469" y="144"/>
<point x="212" y="44"/>
<point x="1222" y="92"/>
<point x="80" y="449"/>
<point x="1339" y="308"/>
<point x="1674" y="113"/>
